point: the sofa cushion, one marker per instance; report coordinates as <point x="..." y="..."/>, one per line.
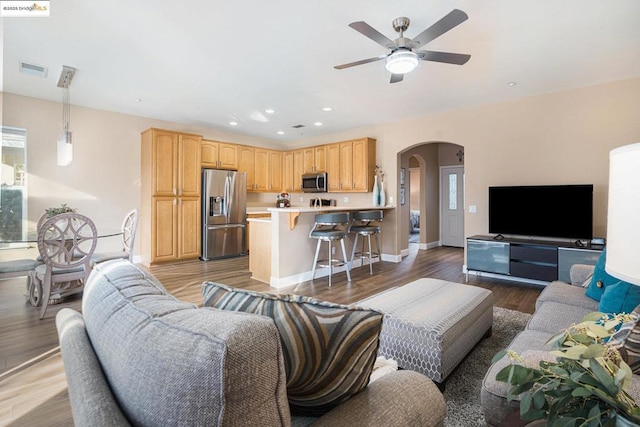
<point x="552" y="317"/>
<point x="619" y="297"/>
<point x="567" y="294"/>
<point x="171" y="363"/>
<point x="329" y="349"/>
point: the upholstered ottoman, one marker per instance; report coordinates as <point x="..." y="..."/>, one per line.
<point x="430" y="325"/>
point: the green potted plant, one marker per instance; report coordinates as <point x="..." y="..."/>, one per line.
<point x="587" y="383"/>
<point x="51" y="212"/>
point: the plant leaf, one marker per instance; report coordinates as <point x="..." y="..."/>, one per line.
<point x="499" y="355"/>
<point x="580" y="392"/>
<point x="594" y="350"/>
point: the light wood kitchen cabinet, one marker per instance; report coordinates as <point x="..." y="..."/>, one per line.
<point x="357" y="165"/>
<point x="219" y="155"/>
<point x="333" y="167"/>
<point x="298" y="169"/>
<point x="314" y="159"/>
<point x="170" y="196"/>
<point x="275" y="171"/>
<point x="261" y="164"/>
<point x="247" y="164"/>
<point x="364" y="164"/>
<point x="288" y="182"/>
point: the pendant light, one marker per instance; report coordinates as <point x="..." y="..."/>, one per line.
<point x="65" y="147"/>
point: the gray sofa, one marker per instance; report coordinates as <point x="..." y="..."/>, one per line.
<point x="138" y="356"/>
<point x="559" y="306"/>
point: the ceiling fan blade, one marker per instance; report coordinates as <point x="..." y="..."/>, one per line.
<point x="370" y="32"/>
<point x="446" y="57"/>
<point x="395" y="78"/>
<point x="362" y="61"/>
<point x="449" y="21"/>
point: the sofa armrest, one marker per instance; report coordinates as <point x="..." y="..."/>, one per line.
<point x="398" y="399"/>
<point x="92" y="401"/>
<point x="579" y="273"/>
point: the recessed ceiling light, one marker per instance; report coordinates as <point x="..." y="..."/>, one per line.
<point x="280" y="132"/>
<point x="512" y="83"/>
<point x="318" y="123"/>
<point x="233" y="123"/>
<point x="138" y="99"/>
<point x="327" y="109"/>
<point x="269" y="111"/>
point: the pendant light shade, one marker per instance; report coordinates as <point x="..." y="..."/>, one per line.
<point x="65" y="147"/>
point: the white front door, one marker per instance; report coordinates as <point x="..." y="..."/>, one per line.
<point x="452" y="206"/>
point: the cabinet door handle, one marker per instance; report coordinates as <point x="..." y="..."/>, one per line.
<point x="175" y="191"/>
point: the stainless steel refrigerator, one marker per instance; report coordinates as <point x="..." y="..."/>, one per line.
<point x="224" y="217"/>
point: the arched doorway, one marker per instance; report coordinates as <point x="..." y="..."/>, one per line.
<point x="420" y="215"/>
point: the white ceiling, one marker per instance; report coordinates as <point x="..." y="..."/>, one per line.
<point x="205" y="63"/>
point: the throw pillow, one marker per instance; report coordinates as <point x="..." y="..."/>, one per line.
<point x="329" y="349"/>
<point x="620" y="297"/>
<point x="600" y="278"/>
<point x="630" y="350"/>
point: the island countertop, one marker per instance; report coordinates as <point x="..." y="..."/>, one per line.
<point x="299" y="209"/>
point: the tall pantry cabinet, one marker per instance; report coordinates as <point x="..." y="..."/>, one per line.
<point x="170" y="211"/>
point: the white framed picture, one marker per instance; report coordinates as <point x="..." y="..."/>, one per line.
<point x="402" y="195"/>
<point x="401" y="176"/>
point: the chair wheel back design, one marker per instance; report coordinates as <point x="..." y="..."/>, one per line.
<point x="329" y="227"/>
<point x="366" y="223"/>
<point x="129" y="227"/>
<point x="66" y="243"/>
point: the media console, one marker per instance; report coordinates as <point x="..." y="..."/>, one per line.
<point x="527" y="259"/>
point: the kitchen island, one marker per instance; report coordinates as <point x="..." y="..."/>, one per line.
<point x="292" y="250"/>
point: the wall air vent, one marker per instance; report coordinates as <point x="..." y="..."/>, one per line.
<point x="33" y="69"/>
<point x="297" y="126"/>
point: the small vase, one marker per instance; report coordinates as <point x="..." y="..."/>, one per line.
<point x="383" y="195"/>
<point x="376" y="191"/>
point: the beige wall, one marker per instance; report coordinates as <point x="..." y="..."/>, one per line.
<point x="551" y="139"/>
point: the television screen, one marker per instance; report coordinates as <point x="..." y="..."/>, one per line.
<point x="561" y="211"/>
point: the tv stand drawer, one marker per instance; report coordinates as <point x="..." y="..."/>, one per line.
<point x="534" y="253"/>
<point x="547" y="273"/>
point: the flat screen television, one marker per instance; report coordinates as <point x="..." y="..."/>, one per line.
<point x="555" y="211"/>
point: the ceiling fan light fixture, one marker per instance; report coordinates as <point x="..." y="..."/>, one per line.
<point x="401" y="62"/>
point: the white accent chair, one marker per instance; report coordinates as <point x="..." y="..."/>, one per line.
<point x="66" y="243"/>
<point x="129" y="226"/>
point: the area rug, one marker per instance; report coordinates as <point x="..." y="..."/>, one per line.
<point x="462" y="388"/>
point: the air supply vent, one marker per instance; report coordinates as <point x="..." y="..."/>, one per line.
<point x="297" y="126"/>
<point x="33" y="69"/>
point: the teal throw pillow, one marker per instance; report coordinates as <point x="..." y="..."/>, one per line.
<point x="600" y="279"/>
<point x="620" y="297"/>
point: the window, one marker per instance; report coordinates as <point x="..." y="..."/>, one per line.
<point x="13" y="185"/>
<point x="453" y="191"/>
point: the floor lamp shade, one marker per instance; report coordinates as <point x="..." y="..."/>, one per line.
<point x="623" y="223"/>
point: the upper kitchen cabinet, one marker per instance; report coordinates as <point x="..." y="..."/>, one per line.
<point x="247" y="164"/>
<point x="289" y="183"/>
<point x="333" y="167"/>
<point x="170" y="196"/>
<point x="219" y="155"/>
<point x="314" y="159"/>
<point x="357" y="165"/>
<point x="276" y="171"/>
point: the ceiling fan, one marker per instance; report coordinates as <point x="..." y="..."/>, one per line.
<point x="404" y="55"/>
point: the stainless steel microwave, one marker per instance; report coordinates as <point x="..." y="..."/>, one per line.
<point x="314" y="182"/>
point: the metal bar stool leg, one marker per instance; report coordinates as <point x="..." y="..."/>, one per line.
<point x="353" y="252"/>
<point x="330" y="264"/>
<point x="346" y="263"/>
<point x="315" y="259"/>
<point x="370" y="254"/>
<point x="378" y="247"/>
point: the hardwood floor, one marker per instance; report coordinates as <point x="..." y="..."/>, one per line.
<point x="33" y="389"/>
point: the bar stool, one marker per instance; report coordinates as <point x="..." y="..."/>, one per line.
<point x="329" y="227"/>
<point x="366" y="223"/>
